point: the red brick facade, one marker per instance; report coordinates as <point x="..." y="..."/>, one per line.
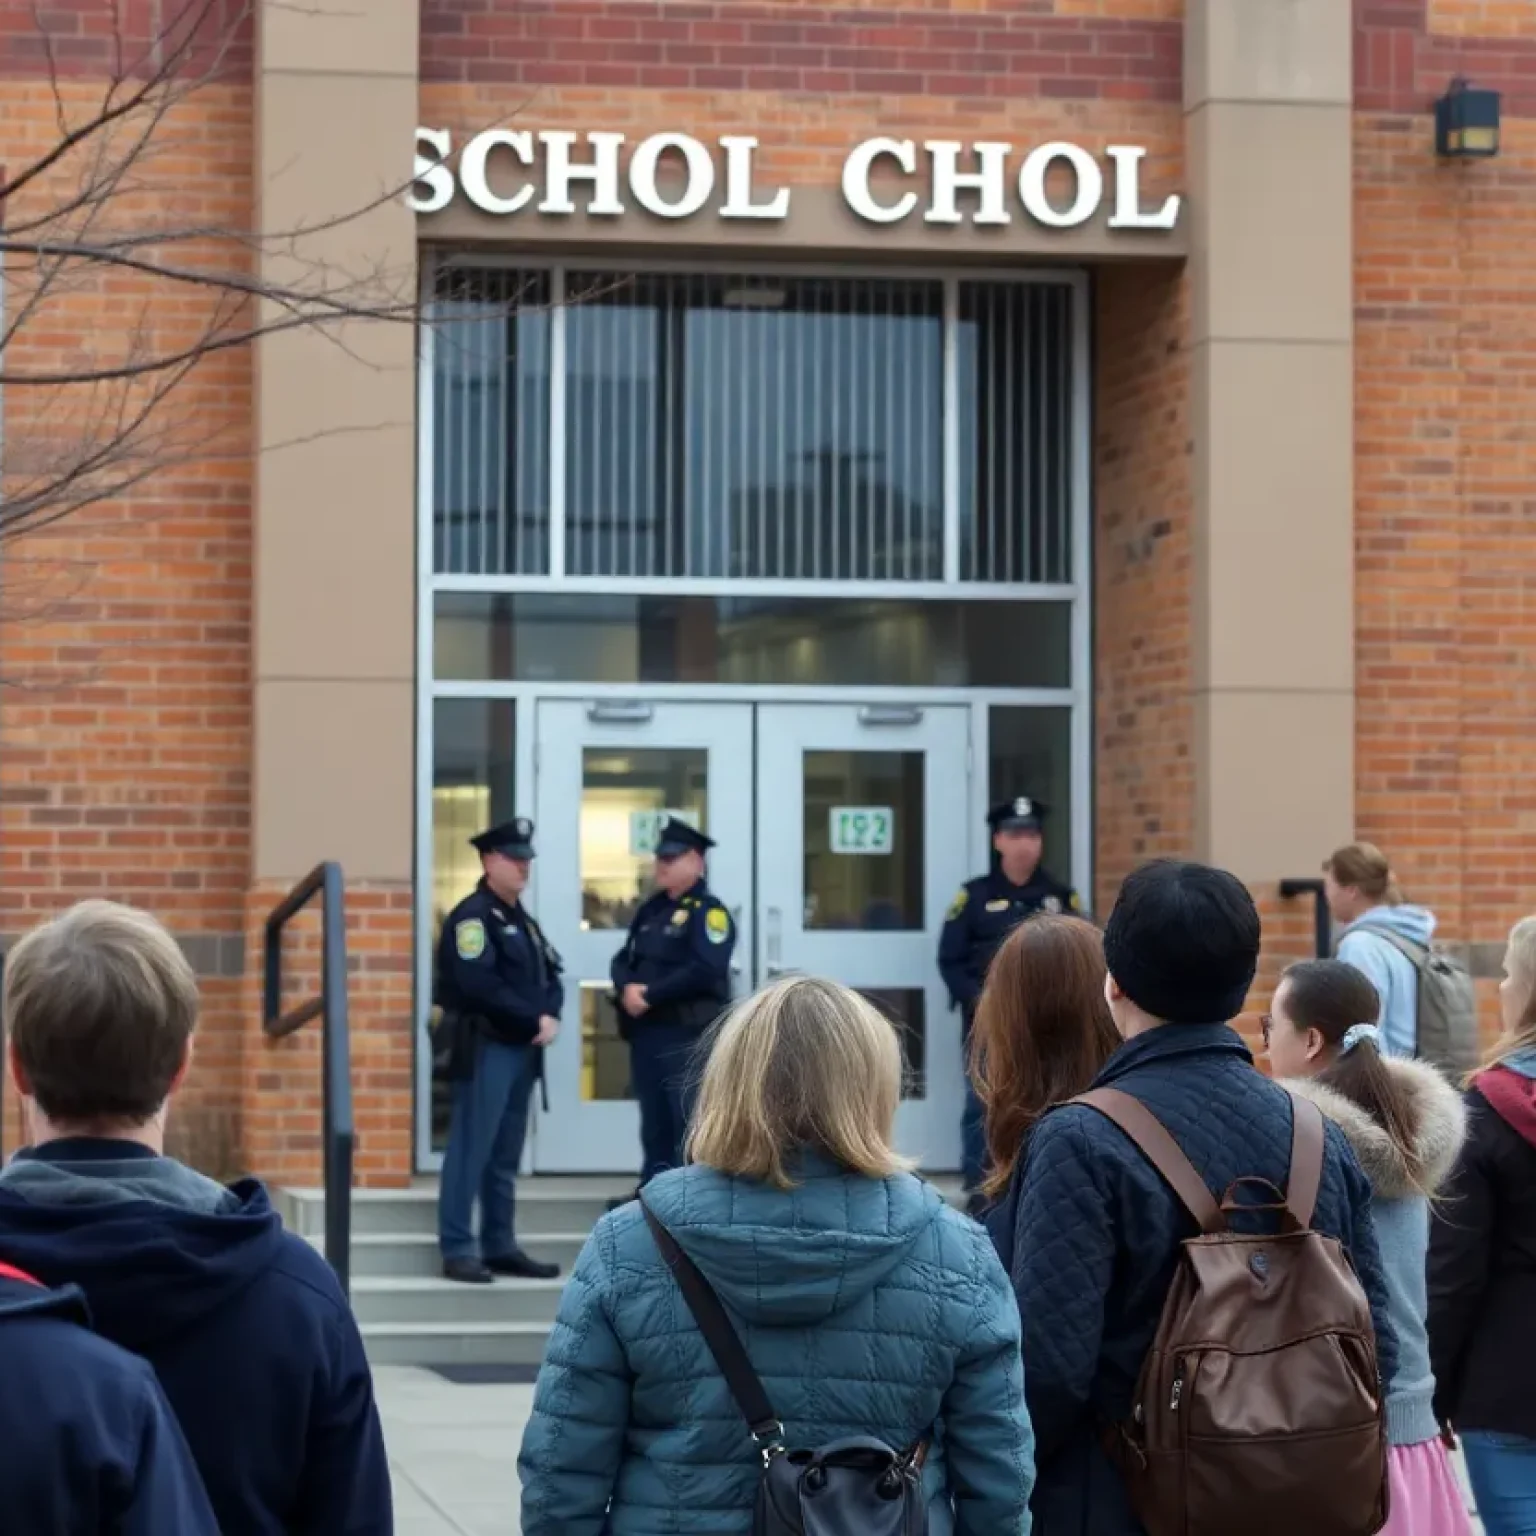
<point x="125" y="637"/>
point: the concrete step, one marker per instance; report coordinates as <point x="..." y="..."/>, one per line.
<point x="544" y="1204"/>
<point x="410" y="1315"/>
<point x="426" y="1344"/>
<point x="396" y="1255"/>
<point x="418" y="1300"/>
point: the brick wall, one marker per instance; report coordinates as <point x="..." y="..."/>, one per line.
<point x="125" y="731"/>
<point x="1446" y="471"/>
<point x="1144" y="729"/>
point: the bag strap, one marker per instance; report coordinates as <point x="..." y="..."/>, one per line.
<point x="1418" y="955"/>
<point x="744" y="1383"/>
<point x="1306" y="1175"/>
<point x="1161" y="1150"/>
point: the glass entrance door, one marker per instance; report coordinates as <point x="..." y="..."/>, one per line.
<point x="862" y="839"/>
<point x="608" y="771"/>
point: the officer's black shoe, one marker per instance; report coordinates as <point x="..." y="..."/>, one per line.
<point x="621" y="1200"/>
<point x="522" y="1265"/>
<point x="467" y="1272"/>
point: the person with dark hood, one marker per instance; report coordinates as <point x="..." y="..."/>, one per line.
<point x="1095" y="1235"/>
<point x="91" y="1446"/>
<point x="244" y="1323"/>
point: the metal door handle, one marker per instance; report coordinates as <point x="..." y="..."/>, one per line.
<point x="774" y="949"/>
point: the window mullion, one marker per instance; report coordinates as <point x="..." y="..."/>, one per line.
<point x="557" y="382"/>
<point x="951" y="324"/>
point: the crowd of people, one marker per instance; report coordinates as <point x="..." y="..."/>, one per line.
<point x="1201" y="1297"/>
<point x="1350" y="1239"/>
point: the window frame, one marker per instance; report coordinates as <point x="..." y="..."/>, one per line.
<point x="952" y="578"/>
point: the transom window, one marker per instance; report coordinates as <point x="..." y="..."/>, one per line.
<point x="727" y="426"/>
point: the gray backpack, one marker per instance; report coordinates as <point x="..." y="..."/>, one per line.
<point x="1445" y="1009"/>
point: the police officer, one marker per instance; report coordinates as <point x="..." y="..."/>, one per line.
<point x="498" y="984"/>
<point x="985" y="912"/>
<point x="672" y="978"/>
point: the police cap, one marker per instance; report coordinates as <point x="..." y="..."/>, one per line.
<point x="678" y="837"/>
<point x="512" y="838"/>
<point x="1021" y="814"/>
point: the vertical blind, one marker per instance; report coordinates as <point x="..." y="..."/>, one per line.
<point x="733" y="427"/>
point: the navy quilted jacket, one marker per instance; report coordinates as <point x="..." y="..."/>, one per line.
<point x="867" y="1307"/>
<point x="1091" y="1234"/>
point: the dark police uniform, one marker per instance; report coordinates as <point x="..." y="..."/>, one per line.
<point x="497" y="976"/>
<point x="985" y="912"/>
<point x="680" y="952"/>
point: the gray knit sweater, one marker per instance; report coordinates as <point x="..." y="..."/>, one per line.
<point x="1400" y="1212"/>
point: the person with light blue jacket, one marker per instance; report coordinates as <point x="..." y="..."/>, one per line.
<point x="867" y="1305"/>
<point x="1365" y="898"/>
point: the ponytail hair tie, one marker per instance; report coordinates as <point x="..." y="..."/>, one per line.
<point x="1359" y="1034"/>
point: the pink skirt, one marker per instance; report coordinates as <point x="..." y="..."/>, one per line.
<point x="1426" y="1498"/>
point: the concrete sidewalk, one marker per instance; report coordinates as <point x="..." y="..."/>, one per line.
<point x="453" y="1449"/>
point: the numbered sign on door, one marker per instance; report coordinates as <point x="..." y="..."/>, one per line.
<point x="644" y="829"/>
<point x="863" y="829"/>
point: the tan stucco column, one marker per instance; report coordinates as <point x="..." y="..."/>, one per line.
<point x="1268" y="118"/>
<point x="334" y="554"/>
<point x="334" y="520"/>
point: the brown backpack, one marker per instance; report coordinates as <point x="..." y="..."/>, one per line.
<point x="1260" y="1407"/>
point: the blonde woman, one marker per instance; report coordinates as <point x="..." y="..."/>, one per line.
<point x="1482" y="1266"/>
<point x="865" y="1303"/>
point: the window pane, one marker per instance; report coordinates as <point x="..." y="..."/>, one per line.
<point x="604" y="1056"/>
<point x="473" y="763"/>
<point x="1031" y="754"/>
<point x="1015" y="351"/>
<point x="625" y="795"/>
<point x="754" y="427"/>
<point x="906" y="1008"/>
<point x="863" y="841"/>
<point x="846" y="642"/>
<point x="490" y="423"/>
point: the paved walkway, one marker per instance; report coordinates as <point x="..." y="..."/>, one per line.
<point x="454" y="1453"/>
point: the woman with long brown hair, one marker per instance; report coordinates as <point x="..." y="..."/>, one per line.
<point x="1042" y="1032"/>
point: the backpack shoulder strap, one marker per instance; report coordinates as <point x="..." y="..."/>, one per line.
<point x="1306" y="1175"/>
<point x="1410" y="950"/>
<point x="724" y="1344"/>
<point x="1161" y="1150"/>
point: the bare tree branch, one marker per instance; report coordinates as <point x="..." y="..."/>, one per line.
<point x="118" y="289"/>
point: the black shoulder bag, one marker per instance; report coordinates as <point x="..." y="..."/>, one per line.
<point x="853" y="1487"/>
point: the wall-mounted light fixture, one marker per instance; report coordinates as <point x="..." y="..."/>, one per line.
<point x="1467" y="122"/>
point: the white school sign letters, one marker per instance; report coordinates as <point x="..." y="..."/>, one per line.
<point x="884" y="180"/>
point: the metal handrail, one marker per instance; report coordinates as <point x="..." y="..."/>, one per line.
<point x="1322" y="919"/>
<point x="338" y="1137"/>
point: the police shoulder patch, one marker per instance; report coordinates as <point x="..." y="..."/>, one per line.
<point x="957" y="906"/>
<point x="469" y="939"/>
<point x="1074" y="903"/>
<point x="717" y="924"/>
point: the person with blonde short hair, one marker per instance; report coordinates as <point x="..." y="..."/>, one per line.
<point x="867" y="1304"/>
<point x="244" y="1323"/>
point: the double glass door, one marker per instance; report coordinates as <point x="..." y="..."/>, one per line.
<point x="841" y="832"/>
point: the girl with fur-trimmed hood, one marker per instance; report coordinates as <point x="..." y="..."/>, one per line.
<point x="1406" y="1124"/>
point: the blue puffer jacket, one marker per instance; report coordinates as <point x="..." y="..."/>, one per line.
<point x="868" y="1307"/>
<point x="1091" y="1234"/>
